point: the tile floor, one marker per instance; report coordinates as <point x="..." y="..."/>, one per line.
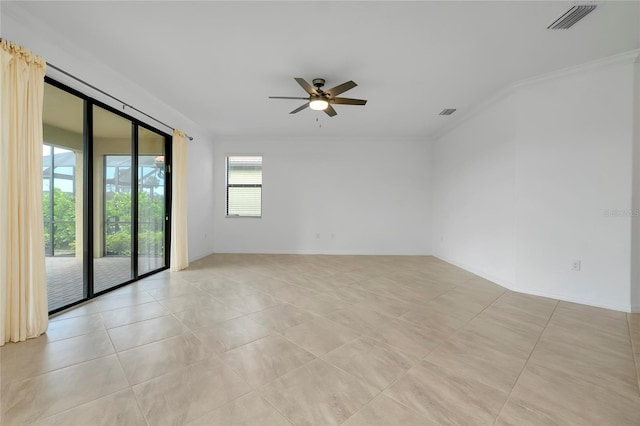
<point x="325" y="340"/>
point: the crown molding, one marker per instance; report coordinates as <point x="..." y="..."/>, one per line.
<point x="629" y="57"/>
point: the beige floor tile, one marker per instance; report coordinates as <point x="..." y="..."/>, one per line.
<point x="360" y="318"/>
<point x="500" y="336"/>
<point x="155" y="359"/>
<point x="232" y="333"/>
<point x="320" y="284"/>
<point x="421" y="292"/>
<point x="555" y="397"/>
<point x="108" y="301"/>
<point x="281" y="317"/>
<point x="37" y="356"/>
<point x="187" y="394"/>
<point x="605" y="320"/>
<point x="384" y="411"/>
<point x="321" y="304"/>
<point x="447" y="398"/>
<point x="266" y="284"/>
<point x="143" y="332"/>
<point x="318" y="394"/>
<point x="60" y="390"/>
<point x="587" y="340"/>
<point x="189" y="302"/>
<point x="480" y="285"/>
<point x="75" y="326"/>
<point x="603" y="360"/>
<point x="371" y="361"/>
<point x="172" y="290"/>
<point x="388" y="306"/>
<point x="514" y="414"/>
<point x="199" y="318"/>
<point x="131" y="314"/>
<point x="249" y="302"/>
<point x="480" y="359"/>
<point x="350" y="294"/>
<point x="117" y="409"/>
<point x="248" y="410"/>
<point x="462" y="304"/>
<point x="266" y="359"/>
<point x="414" y="340"/>
<point x="220" y="286"/>
<point x="634" y="322"/>
<point x="441" y="325"/>
<point x="291" y="293"/>
<point x="320" y="335"/>
<point x="516" y="318"/>
<point x="376" y="284"/>
<point x="395" y="290"/>
<point x="194" y="275"/>
<point x="160" y="280"/>
<point x="537" y="309"/>
<point x="361" y="313"/>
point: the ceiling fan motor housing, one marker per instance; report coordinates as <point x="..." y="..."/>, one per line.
<point x="318" y="82"/>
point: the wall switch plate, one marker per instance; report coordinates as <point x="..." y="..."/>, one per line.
<point x="576" y="265"/>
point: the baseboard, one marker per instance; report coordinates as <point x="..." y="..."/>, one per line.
<point x="578" y="300"/>
<point x="320" y="252"/>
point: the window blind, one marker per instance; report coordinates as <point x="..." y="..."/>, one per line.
<point x="244" y="186"/>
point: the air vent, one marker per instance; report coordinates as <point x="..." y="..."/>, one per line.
<point x="447" y="111"/>
<point x="571" y="16"/>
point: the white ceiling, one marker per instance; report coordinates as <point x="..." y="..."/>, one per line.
<point x="217" y="62"/>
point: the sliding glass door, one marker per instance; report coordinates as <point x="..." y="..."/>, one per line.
<point x="112" y="199"/>
<point x="62" y="196"/>
<point x="105" y="197"/>
<point x="152" y="214"/>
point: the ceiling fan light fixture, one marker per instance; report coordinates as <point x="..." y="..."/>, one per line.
<point x="318" y="104"/>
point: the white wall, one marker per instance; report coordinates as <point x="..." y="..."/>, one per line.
<point x="473" y="193"/>
<point x="635" y="217"/>
<point x="38" y="37"/>
<point x="361" y="197"/>
<point x="522" y="187"/>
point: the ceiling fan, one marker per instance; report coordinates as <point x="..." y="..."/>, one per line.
<point x="322" y="100"/>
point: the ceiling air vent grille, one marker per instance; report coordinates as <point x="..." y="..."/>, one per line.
<point x="447" y="111"/>
<point x="571" y="16"/>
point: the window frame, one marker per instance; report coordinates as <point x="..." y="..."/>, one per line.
<point x="227" y="186"/>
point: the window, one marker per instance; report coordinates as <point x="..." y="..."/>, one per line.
<point x="244" y="186"/>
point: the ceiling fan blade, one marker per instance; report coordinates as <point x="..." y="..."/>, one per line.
<point x="300" y="108"/>
<point x="330" y="111"/>
<point x="348" y="101"/>
<point x="306" y="86"/>
<point x="286" y="97"/>
<point x="335" y="91"/>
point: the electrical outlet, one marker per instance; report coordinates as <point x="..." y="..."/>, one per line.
<point x="317" y="236"/>
<point x="576" y="265"/>
<point x="333" y="236"/>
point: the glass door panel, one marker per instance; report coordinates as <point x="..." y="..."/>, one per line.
<point x="151" y="201"/>
<point x="112" y="200"/>
<point x="62" y="196"/>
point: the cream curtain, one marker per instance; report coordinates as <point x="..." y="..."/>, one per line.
<point x="23" y="287"/>
<point x="179" y="248"/>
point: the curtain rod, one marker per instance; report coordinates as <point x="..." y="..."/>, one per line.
<point x="124" y="104"/>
